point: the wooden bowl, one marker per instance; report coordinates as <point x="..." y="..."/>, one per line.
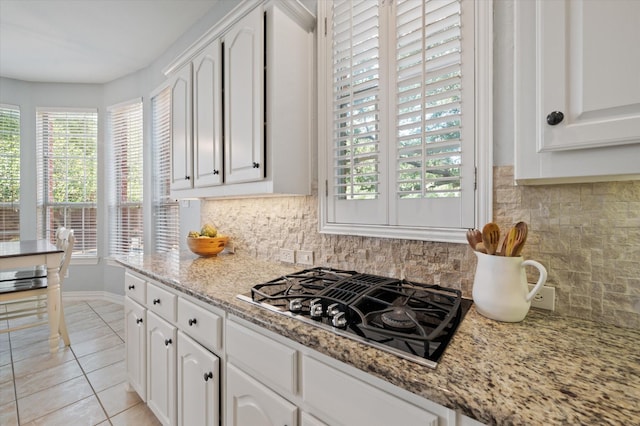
<point x="207" y="246"/>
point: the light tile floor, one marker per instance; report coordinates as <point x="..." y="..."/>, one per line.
<point x="83" y="384"/>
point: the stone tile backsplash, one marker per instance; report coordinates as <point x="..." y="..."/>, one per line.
<point x="586" y="235"/>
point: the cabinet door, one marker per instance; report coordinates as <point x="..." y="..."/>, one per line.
<point x="207" y="116"/>
<point x="136" y="346"/>
<point x="161" y="361"/>
<point x="251" y="403"/>
<point x="198" y="384"/>
<point x="577" y="58"/>
<point x="181" y="130"/>
<point x="589" y="71"/>
<point x="243" y="99"/>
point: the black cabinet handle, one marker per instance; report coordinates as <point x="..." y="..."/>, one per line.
<point x="156" y="301"/>
<point x="554" y="118"/>
<point x="193" y="321"/>
<point x="208" y="376"/>
<point x="187" y="178"/>
<point x="131" y="287"/>
<point x="256" y="165"/>
<point x="139" y="320"/>
<point x="167" y="342"/>
<point x="216" y="172"/>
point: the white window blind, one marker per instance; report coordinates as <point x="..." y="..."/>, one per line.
<point x="166" y="219"/>
<point x="125" y="178"/>
<point x="9" y="173"/>
<point x="401" y="114"/>
<point x="67" y="142"/>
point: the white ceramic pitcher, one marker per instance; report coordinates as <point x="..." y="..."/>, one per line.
<point x="500" y="289"/>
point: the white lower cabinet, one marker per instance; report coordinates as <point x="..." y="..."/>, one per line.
<point x="161" y="378"/>
<point x="251" y="403"/>
<point x="307" y="419"/>
<point x="198" y="384"/>
<point x="135" y="336"/>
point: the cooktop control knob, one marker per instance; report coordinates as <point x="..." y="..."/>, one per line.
<point x="295" y="305"/>
<point x="315" y="308"/>
<point x="333" y="309"/>
<point x="339" y="320"/>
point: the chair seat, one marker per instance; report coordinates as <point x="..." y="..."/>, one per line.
<point x="21" y="275"/>
<point x="22" y="285"/>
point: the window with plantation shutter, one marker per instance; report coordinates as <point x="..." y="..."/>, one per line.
<point x="125" y="178"/>
<point x="399" y="107"/>
<point x="9" y="173"/>
<point x="67" y="174"/>
<point x="166" y="219"/>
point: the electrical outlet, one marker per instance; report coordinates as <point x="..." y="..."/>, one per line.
<point x="287" y="255"/>
<point x="545" y="298"/>
<point x="304" y="257"/>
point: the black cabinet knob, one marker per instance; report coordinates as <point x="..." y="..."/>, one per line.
<point x="216" y="172"/>
<point x="167" y="342"/>
<point x="193" y="321"/>
<point x="256" y="165"/>
<point x="555" y="117"/>
<point x="187" y="177"/>
<point x="156" y="301"/>
<point x="139" y="320"/>
<point x="131" y="287"/>
<point x="208" y="376"/>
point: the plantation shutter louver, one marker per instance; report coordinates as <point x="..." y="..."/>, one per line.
<point x="9" y="173"/>
<point x="434" y="151"/>
<point x="358" y="169"/>
<point x="402" y="143"/>
<point x="166" y="214"/>
<point x="126" y="170"/>
<point x="67" y="173"/>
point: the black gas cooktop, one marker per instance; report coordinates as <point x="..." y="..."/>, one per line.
<point x="412" y="320"/>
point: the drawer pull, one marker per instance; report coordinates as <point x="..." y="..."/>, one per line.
<point x="193" y="321"/>
<point x="138" y="320"/>
<point x="208" y="376"/>
<point x="167" y="342"/>
<point x="156" y="301"/>
<point x="131" y="287"/>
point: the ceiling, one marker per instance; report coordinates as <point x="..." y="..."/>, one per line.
<point x="89" y="41"/>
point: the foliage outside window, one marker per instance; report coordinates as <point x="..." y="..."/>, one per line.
<point x="67" y="144"/>
<point x="9" y="173"/>
<point x="125" y="171"/>
<point x="166" y="213"/>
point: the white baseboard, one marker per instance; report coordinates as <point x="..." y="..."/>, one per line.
<point x="93" y="295"/>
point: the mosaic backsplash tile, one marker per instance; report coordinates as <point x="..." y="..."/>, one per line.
<point x="586" y="235"/>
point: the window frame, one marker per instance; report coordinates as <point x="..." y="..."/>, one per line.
<point x="14" y="203"/>
<point x="164" y="210"/>
<point x="120" y="135"/>
<point x="483" y="118"/>
<point x="44" y="204"/>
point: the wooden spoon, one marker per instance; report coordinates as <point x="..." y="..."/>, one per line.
<point x="516" y="238"/>
<point x="474" y="237"/>
<point x="521" y="238"/>
<point x="491" y="237"/>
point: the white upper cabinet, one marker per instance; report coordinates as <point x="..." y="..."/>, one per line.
<point x="243" y="88"/>
<point x="577" y="90"/>
<point x="253" y="82"/>
<point x="181" y="130"/>
<point x="207" y="117"/>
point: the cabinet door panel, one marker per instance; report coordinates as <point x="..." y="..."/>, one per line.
<point x="161" y="361"/>
<point x="251" y="403"/>
<point x="582" y="43"/>
<point x="243" y="99"/>
<point x="136" y="347"/>
<point x="181" y="130"/>
<point x="198" y="384"/>
<point x="207" y="116"/>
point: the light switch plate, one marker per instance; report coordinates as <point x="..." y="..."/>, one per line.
<point x="304" y="257"/>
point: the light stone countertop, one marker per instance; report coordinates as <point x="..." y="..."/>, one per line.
<point x="546" y="369"/>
